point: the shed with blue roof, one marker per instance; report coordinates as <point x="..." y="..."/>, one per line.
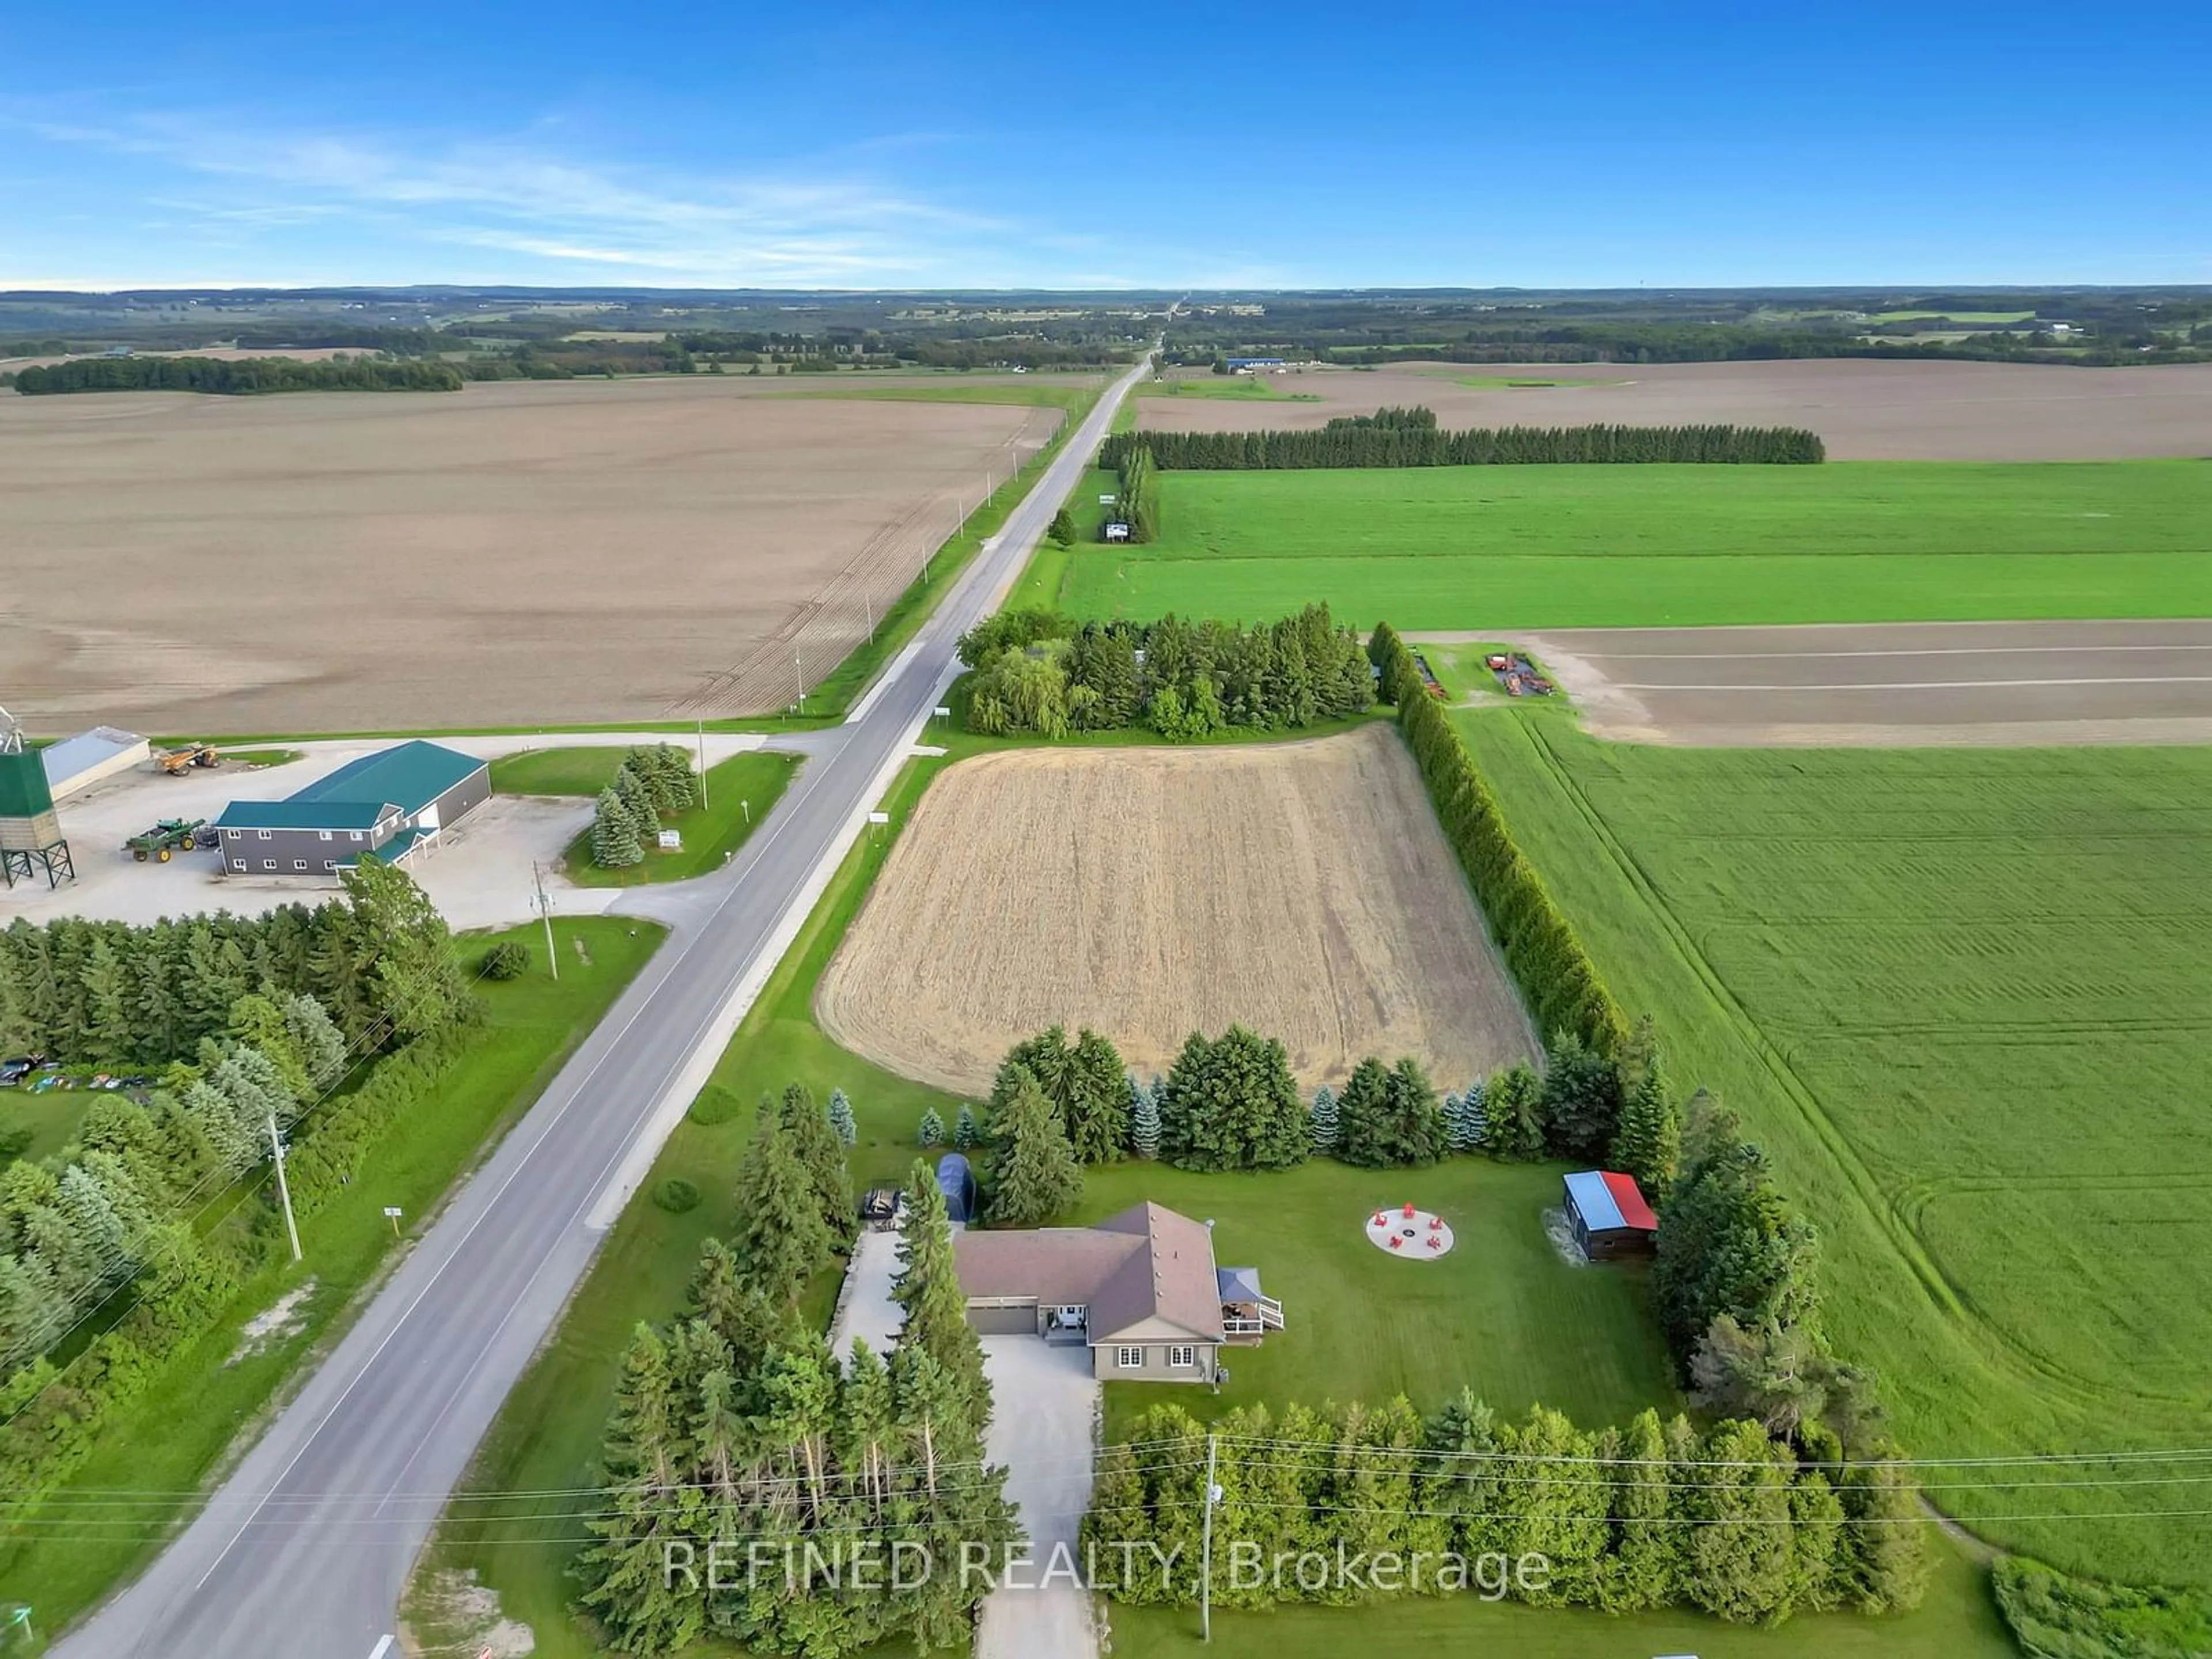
<point x="1608" y="1214"/>
<point x="393" y="804"/>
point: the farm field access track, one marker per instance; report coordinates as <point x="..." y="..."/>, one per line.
<point x="513" y="554"/>
<point x="1302" y="889"/>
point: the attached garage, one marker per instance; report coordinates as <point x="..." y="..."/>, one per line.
<point x="1003" y="1318"/>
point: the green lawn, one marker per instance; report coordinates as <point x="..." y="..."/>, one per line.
<point x="547" y="1436"/>
<point x="49" y="1117"/>
<point x="1503" y="1313"/>
<point x="740" y="792"/>
<point x="170" y="1437"/>
<point x="1951" y="316"/>
<point x="1958" y="1620"/>
<point x="1228" y="388"/>
<point x="1515" y="547"/>
<point x="1964" y="999"/>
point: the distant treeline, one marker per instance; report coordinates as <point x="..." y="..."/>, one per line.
<point x="252" y="374"/>
<point x="1405" y="441"/>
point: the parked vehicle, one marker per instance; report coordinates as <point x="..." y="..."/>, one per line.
<point x="169" y="837"/>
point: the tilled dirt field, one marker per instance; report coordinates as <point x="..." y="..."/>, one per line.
<point x="1301" y="889"/>
<point x="516" y="553"/>
<point x="1893" y="685"/>
<point x="1866" y="409"/>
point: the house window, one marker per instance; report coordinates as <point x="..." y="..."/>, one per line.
<point x="330" y="864"/>
<point x="322" y="834"/>
<point x="268" y="864"/>
<point x="299" y="864"/>
<point x="1182" y="1357"/>
<point x="264" y="834"/>
<point x="355" y="834"/>
<point x="1129" y="1359"/>
<point x="237" y="864"/>
<point x="232" y="834"/>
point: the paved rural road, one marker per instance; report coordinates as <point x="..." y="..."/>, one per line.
<point x="305" y="1549"/>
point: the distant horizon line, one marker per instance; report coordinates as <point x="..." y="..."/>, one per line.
<point x="34" y="288"/>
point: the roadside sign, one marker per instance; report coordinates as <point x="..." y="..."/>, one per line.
<point x="671" y="841"/>
<point x="942" y="712"/>
<point x="1107" y="501"/>
<point x="879" y="818"/>
<point x="393" y="1211"/>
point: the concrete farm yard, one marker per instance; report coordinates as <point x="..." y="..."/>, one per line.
<point x="512" y="554"/>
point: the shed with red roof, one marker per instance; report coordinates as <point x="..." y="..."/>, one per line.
<point x="1608" y="1211"/>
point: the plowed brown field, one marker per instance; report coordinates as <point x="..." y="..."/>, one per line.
<point x="552" y="553"/>
<point x="1867" y="409"/>
<point x="1302" y="889"/>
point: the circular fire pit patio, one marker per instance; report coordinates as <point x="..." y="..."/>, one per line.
<point x="1415" y="1234"/>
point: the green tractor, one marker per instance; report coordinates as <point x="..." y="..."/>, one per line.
<point x="170" y="835"/>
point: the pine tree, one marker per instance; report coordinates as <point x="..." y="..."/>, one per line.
<point x="927" y="1291"/>
<point x="780" y="1239"/>
<point x="931" y="1130"/>
<point x="1472" y="1131"/>
<point x="636" y="794"/>
<point x="94" y="1217"/>
<point x="1145" y="1117"/>
<point x="1036" y="1177"/>
<point x="963" y="1128"/>
<point x="1095" y="1107"/>
<point x="1644" y="1546"/>
<point x="1648" y="1143"/>
<point x="1581" y="1098"/>
<point x="821" y="1154"/>
<point x="1736" y="1554"/>
<point x="256" y="1091"/>
<point x="259" y="1023"/>
<point x="1062" y="528"/>
<point x="1323" y="1118"/>
<point x="1513" y="1101"/>
<point x="842" y="1123"/>
<point x="616" y="842"/>
<point x="316" y="1040"/>
<point x="1360" y="1114"/>
<point x="1230" y="1104"/>
<point x="645" y="1608"/>
<point x="1884" y="1564"/>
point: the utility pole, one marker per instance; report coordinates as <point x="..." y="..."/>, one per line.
<point x="703" y="763"/>
<point x="799" y="667"/>
<point x="284" y="1187"/>
<point x="868" y="610"/>
<point x="1205" y="1549"/>
<point x="546" y="911"/>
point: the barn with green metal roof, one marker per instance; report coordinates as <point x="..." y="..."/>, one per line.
<point x="394" y="804"/>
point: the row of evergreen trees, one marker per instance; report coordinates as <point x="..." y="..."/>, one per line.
<point x="1138" y="504"/>
<point x="1557" y="980"/>
<point x="1371" y="442"/>
<point x="1728" y="1521"/>
<point x="252" y="374"/>
<point x="652" y="779"/>
<point x="737" y="1424"/>
<point x="74" y="1227"/>
<point x="108" y="993"/>
<point x="1040" y="672"/>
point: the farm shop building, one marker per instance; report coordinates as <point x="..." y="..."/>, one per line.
<point x="393" y="804"/>
<point x="1139" y="1289"/>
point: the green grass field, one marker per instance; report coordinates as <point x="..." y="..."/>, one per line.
<point x="166" y="1442"/>
<point x="1953" y="316"/>
<point x="1228" y="388"/>
<point x="1503" y="1313"/>
<point x="1517" y="547"/>
<point x="1964" y="999"/>
<point x="740" y="792"/>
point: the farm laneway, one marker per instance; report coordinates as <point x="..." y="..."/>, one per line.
<point x="515" y="553"/>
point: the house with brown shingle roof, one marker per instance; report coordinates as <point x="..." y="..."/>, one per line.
<point x="1139" y="1289"/>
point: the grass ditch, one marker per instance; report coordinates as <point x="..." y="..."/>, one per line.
<point x="175" y="1438"/>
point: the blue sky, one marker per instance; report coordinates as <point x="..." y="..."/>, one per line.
<point x="954" y="144"/>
